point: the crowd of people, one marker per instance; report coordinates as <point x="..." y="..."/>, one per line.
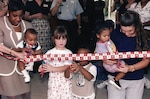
<point x="80" y="27"/>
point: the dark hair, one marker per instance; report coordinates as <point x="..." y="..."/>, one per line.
<point x="100" y="26"/>
<point x="59" y="32"/>
<point x="15" y="5"/>
<point x="131" y="18"/>
<point x="31" y="30"/>
<point x="85" y="46"/>
<point x="110" y="23"/>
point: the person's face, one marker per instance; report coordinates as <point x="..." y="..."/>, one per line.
<point x="129" y="31"/>
<point x="15" y="17"/>
<point x="83" y="51"/>
<point x="144" y="1"/>
<point x="104" y="36"/>
<point x="30" y="39"/>
<point x="60" y="43"/>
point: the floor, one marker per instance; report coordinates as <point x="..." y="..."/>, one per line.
<point x="39" y="89"/>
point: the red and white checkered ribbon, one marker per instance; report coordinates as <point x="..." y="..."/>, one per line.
<point x="89" y="56"/>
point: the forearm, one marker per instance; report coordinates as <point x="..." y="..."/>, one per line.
<point x="58" y="69"/>
<point x="79" y="20"/>
<point x="67" y="72"/>
<point x="86" y="74"/>
<point x="37" y="52"/>
<point x="142" y="64"/>
<point x="55" y="9"/>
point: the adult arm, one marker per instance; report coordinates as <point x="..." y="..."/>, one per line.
<point x="54" y="10"/>
<point x="131" y="68"/>
<point x="7" y="50"/>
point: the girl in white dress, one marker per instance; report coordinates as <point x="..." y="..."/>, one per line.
<point x="58" y="86"/>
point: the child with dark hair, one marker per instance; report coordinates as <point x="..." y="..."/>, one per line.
<point x="104" y="45"/>
<point x="33" y="47"/>
<point x="83" y="75"/>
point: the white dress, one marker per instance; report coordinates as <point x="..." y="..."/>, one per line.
<point x="59" y="87"/>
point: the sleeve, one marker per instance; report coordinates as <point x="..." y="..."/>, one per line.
<point x="53" y="4"/>
<point x="79" y="9"/>
<point x="93" y="71"/>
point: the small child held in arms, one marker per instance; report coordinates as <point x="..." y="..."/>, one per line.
<point x="103" y="45"/>
<point x="83" y="75"/>
<point x="32" y="46"/>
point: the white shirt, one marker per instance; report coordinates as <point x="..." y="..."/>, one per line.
<point x="143" y="12"/>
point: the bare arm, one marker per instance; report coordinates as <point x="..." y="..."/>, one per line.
<point x="142" y="64"/>
<point x="5" y="49"/>
<point x="49" y="68"/>
<point x="56" y="7"/>
<point x="84" y="72"/>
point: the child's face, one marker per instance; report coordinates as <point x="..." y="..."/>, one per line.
<point x="30" y="39"/>
<point x="60" y="43"/>
<point x="83" y="51"/>
<point x="104" y="36"/>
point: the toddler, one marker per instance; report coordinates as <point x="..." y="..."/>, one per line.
<point x="32" y="47"/>
<point x="104" y="45"/>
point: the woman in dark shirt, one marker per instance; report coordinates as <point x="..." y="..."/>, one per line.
<point x="38" y="12"/>
<point x="130" y="37"/>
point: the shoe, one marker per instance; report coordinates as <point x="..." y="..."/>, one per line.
<point x="26" y="76"/>
<point x="29" y="66"/>
<point x="102" y="85"/>
<point x="115" y="83"/>
<point x="146" y="83"/>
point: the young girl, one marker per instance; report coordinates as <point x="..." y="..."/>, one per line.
<point x="103" y="45"/>
<point x="58" y="86"/>
<point x="32" y="47"/>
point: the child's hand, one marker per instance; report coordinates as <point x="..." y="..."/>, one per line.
<point x="75" y="67"/>
<point x="40" y="68"/>
<point x="47" y="68"/>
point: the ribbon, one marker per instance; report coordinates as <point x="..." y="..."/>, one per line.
<point x="79" y="57"/>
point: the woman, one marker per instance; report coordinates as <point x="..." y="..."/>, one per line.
<point x="38" y="12"/>
<point x="130" y="38"/>
<point x="11" y="33"/>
